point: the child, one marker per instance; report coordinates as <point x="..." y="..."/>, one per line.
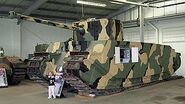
<point x="51" y="87"/>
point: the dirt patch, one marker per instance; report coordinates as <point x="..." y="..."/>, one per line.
<point x="170" y="94"/>
<point x="157" y="103"/>
<point x="181" y="86"/>
<point x="179" y="98"/>
<point x="156" y="99"/>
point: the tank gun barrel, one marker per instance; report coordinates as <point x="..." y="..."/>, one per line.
<point x="85" y="30"/>
<point x="13" y="14"/>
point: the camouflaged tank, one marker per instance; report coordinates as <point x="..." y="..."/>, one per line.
<point x="109" y="62"/>
<point x="38" y="63"/>
<point x="97" y="58"/>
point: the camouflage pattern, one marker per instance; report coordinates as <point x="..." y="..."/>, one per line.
<point x="91" y="53"/>
<point x="96" y="29"/>
<point x="12" y="14"/>
<point x="41" y="48"/>
<point x="99" y="29"/>
<point x="39" y="65"/>
<point x="100" y="71"/>
<point x="156" y="62"/>
<point x="54" y="47"/>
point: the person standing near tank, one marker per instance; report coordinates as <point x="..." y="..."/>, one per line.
<point x="51" y="85"/>
<point x="59" y="83"/>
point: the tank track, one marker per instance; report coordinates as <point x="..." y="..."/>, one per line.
<point x="72" y="66"/>
<point x="153" y="83"/>
<point x="33" y="70"/>
<point x="15" y="72"/>
<point x="18" y="73"/>
<point x="84" y="90"/>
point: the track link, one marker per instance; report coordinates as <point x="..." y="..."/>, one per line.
<point x="18" y="72"/>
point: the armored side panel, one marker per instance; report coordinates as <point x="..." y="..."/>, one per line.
<point x="103" y="66"/>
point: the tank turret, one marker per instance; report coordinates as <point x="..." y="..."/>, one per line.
<point x="98" y="29"/>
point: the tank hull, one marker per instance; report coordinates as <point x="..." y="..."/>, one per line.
<point x="15" y="69"/>
<point x="112" y="64"/>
